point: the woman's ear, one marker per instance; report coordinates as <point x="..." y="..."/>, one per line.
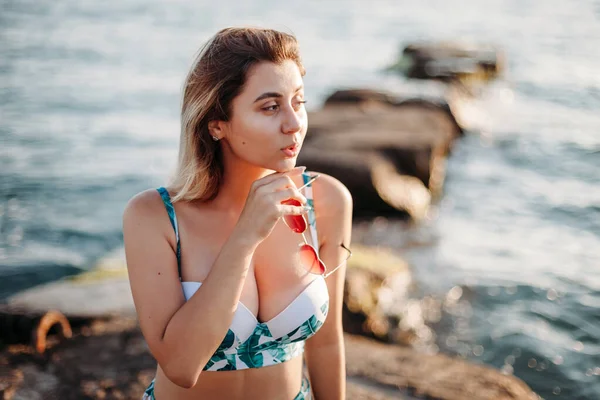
<point x="215" y="128"/>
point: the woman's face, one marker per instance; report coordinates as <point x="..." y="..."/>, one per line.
<point x="268" y="120"/>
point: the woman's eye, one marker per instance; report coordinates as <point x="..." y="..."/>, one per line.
<point x="299" y="104"/>
<point x="273" y="107"/>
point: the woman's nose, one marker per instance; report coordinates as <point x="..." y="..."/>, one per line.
<point x="293" y="121"/>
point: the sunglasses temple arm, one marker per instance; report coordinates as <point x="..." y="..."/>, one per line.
<point x="326" y="274"/>
<point x="314" y="178"/>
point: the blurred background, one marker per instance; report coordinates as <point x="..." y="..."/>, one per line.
<point x="89" y="103"/>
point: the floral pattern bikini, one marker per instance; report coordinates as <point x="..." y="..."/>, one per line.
<point x="252" y="344"/>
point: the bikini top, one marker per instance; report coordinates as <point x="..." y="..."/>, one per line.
<point x="249" y="343"/>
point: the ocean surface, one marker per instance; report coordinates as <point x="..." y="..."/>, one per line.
<point x="89" y="98"/>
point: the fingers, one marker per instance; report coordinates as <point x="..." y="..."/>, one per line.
<point x="278" y="184"/>
<point x="285" y="209"/>
<point x="287" y="194"/>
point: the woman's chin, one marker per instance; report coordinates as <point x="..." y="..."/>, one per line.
<point x="285" y="165"/>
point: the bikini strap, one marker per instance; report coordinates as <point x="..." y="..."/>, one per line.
<point x="312" y="218"/>
<point x="164" y="194"/>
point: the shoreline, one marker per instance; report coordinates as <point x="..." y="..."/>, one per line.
<point x="375" y="371"/>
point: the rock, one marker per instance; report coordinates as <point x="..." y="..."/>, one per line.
<point x="376" y="186"/>
<point x="389" y="152"/>
<point x="434" y="376"/>
<point x="366" y="389"/>
<point x="94" y="298"/>
<point x="109" y="359"/>
<point x="368" y="275"/>
<point x="100" y="292"/>
<point x="36" y="384"/>
<point x="378" y="305"/>
<point x="361" y="97"/>
<point x="103" y="291"/>
<point x="105" y="359"/>
<point x="450" y="62"/>
<point x="413" y="121"/>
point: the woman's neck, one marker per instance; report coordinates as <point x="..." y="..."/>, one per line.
<point x="238" y="177"/>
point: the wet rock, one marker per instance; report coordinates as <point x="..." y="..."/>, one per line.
<point x="450" y="62"/>
<point x="389" y="152"/>
<point x="106" y="360"/>
<point x="365" y="389"/>
<point x="369" y="274"/>
<point x="100" y="292"/>
<point x="36" y="384"/>
<point x="361" y="97"/>
<point x="112" y="362"/>
<point x="376" y="185"/>
<point x="434" y="376"/>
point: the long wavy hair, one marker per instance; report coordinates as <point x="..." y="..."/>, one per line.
<point x="217" y="76"/>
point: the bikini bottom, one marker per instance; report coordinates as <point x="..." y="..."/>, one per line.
<point x="304" y="393"/>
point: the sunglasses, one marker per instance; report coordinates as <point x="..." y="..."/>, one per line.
<point x="307" y="254"/>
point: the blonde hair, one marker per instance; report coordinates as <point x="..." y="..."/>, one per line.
<point x="217" y="76"/>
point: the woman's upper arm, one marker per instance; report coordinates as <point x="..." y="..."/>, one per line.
<point x="152" y="266"/>
<point x="333" y="204"/>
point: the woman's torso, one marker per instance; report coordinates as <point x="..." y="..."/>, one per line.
<point x="274" y="281"/>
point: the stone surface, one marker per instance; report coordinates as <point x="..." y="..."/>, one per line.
<point x="434" y="376"/>
<point x="102" y="291"/>
<point x="78" y="298"/>
<point x="449" y="62"/>
<point x="107" y="359"/>
<point x="389" y="152"/>
<point x="110" y="360"/>
<point x="368" y="274"/>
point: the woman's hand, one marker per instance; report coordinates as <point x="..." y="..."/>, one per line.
<point x="264" y="205"/>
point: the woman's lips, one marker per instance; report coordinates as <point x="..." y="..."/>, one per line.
<point x="291" y="151"/>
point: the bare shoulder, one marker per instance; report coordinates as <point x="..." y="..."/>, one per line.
<point x="144" y="204"/>
<point x="146" y="210"/>
<point x="333" y="210"/>
<point x="331" y="194"/>
<point x="145" y="218"/>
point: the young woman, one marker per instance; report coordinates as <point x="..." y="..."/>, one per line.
<point x="229" y="291"/>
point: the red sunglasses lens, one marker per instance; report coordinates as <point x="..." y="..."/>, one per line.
<point x="297" y="223"/>
<point x="310" y="260"/>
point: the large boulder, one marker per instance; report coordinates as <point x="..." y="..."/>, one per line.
<point x="375" y="277"/>
<point x="100" y="292"/>
<point x="450" y="62"/>
<point x="391" y="370"/>
<point x="389" y="152"/>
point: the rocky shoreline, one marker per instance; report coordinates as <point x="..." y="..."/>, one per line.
<point x="109" y="359"/>
<point x="106" y="357"/>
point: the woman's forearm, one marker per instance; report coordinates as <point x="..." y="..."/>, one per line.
<point x="327" y="371"/>
<point x="197" y="329"/>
